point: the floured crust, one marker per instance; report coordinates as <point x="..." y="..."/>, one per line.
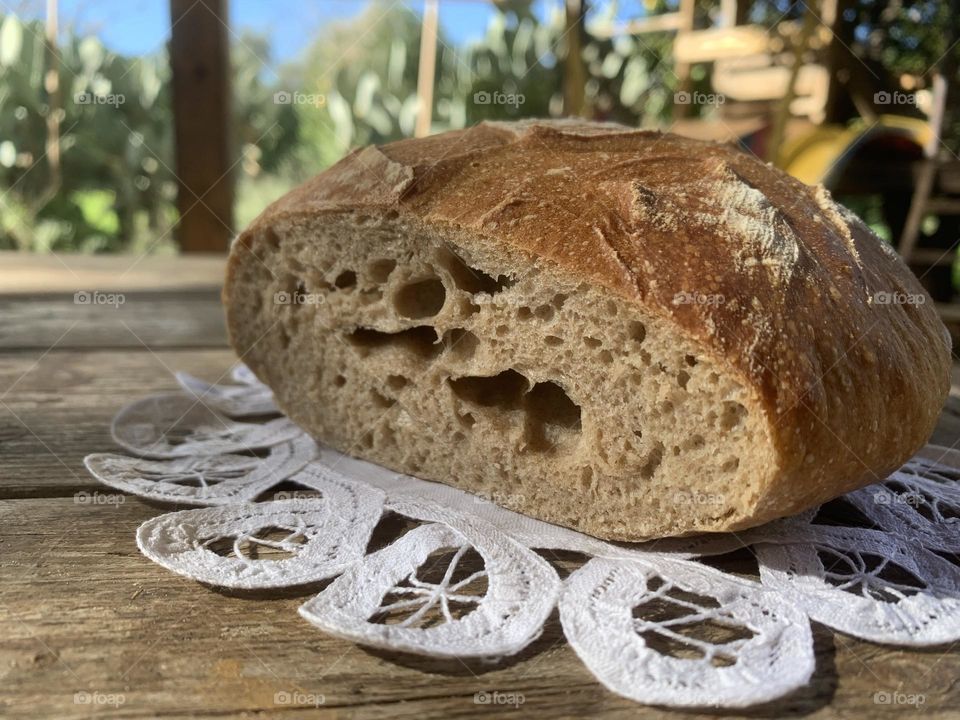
<point x="770" y="276"/>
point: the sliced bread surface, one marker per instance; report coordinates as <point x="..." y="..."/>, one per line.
<point x="624" y="332"/>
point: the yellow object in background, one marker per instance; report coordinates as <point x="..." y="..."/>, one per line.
<point x="820" y="154"/>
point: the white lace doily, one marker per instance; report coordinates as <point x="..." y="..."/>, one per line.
<point x="654" y="622"/>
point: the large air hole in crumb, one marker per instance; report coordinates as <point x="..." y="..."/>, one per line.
<point x="637" y="331"/>
<point x="470" y="279"/>
<point x="544" y="312"/>
<point x="420" y="299"/>
<point x="379" y="270"/>
<point x="461" y="344"/>
<point x="550" y="417"/>
<point x="380" y="400"/>
<point x="346" y="279"/>
<point x="396" y="382"/>
<point x="504" y="390"/>
<point x="420" y="341"/>
<point x="653" y="460"/>
<point x="550" y="404"/>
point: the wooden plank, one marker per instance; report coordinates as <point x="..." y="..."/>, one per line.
<point x="100" y="320"/>
<point x="200" y="65"/>
<point x="112" y="623"/>
<point x="57" y="408"/>
<point x="67" y="272"/>
<point x="943" y="206"/>
<point x="697" y="46"/>
<point x="923" y="258"/>
<point x="767" y="83"/>
<point x="664" y="22"/>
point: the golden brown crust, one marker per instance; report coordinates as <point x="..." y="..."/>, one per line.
<point x="765" y="272"/>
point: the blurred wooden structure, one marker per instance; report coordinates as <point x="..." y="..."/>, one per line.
<point x="937" y="189"/>
<point x="795" y="94"/>
<point x="792" y="93"/>
<point x="200" y="64"/>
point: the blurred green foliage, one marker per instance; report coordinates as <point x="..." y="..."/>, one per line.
<point x="355" y="85"/>
<point x="113" y="187"/>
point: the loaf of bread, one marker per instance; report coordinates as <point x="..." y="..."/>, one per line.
<point x="625" y="332"/>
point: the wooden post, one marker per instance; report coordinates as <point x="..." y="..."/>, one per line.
<point x="781" y="115"/>
<point x="837" y="59"/>
<point x="728" y="13"/>
<point x="51" y="83"/>
<point x="574" y="77"/>
<point x="426" y="71"/>
<point x="199" y="59"/>
<point x="687" y="12"/>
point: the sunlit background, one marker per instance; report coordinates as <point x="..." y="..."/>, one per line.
<point x="850" y="94"/>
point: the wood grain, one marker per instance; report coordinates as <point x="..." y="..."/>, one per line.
<point x="102" y="320"/>
<point x="58" y="272"/>
<point x="56" y="408"/>
<point x="85" y="612"/>
<point x="81" y="611"/>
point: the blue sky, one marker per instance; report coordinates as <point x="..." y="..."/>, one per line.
<point x="141" y="26"/>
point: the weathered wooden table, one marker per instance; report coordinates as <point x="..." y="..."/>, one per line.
<point x="89" y="626"/>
